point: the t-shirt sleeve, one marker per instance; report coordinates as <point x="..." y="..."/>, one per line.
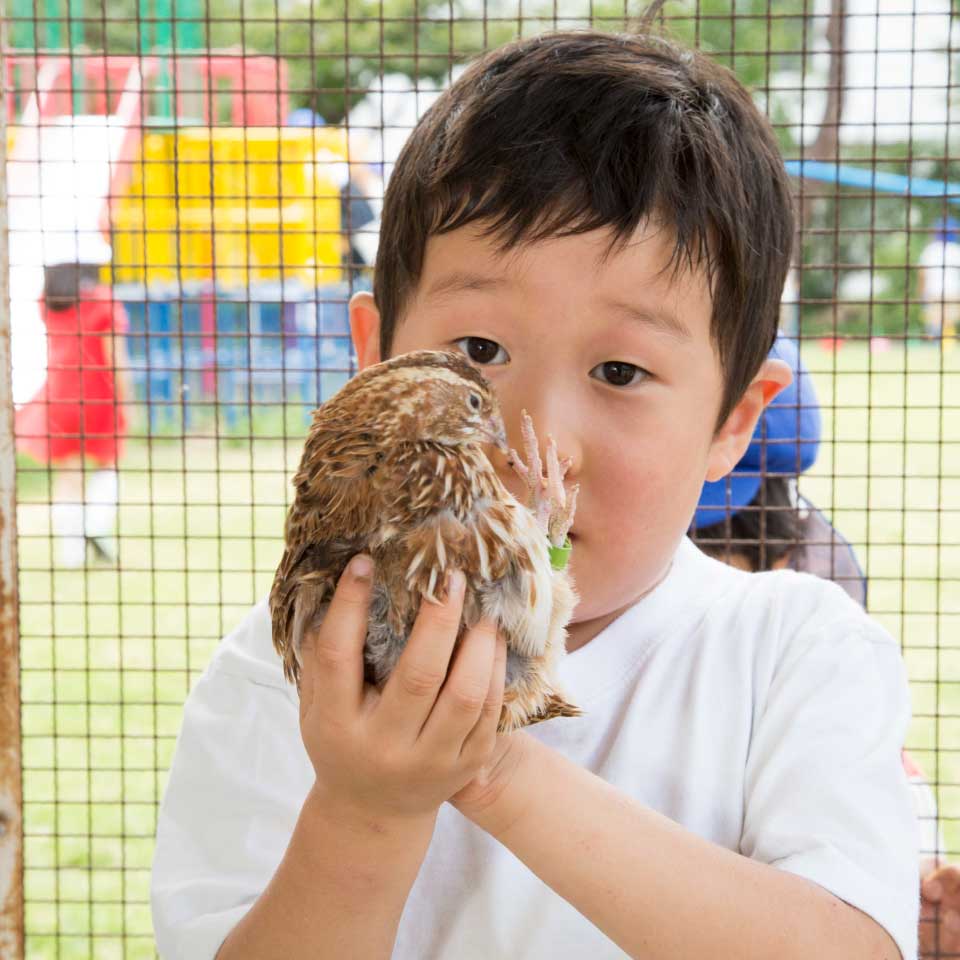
<point x="826" y="795"/>
<point x="236" y="786"/>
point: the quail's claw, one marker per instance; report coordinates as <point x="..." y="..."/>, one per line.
<point x="532" y="449"/>
<point x="547" y="497"/>
<point x="554" y="476"/>
<point x="519" y="467"/>
<point x="561" y="522"/>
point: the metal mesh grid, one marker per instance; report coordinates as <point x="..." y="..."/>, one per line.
<point x="240" y="223"/>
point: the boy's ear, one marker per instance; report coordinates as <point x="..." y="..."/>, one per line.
<point x="365" y="328"/>
<point x="733" y="438"/>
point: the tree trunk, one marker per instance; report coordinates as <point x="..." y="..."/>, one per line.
<point x="826" y="145"/>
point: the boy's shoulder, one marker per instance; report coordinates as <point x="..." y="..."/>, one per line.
<point x="247" y="651"/>
<point x="784" y="630"/>
<point x="787" y="603"/>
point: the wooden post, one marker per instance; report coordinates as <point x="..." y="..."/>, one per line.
<point x="11" y="794"/>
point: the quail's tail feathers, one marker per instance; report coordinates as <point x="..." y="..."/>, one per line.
<point x="519" y="711"/>
<point x="555" y="706"/>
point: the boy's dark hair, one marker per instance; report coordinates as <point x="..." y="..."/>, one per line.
<point x="573" y="131"/>
<point x="62" y="283"/>
<point x="765" y="531"/>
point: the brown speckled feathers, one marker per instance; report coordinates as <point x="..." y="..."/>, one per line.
<point x="394" y="466"/>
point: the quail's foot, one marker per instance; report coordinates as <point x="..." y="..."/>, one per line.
<point x="547" y="497"/>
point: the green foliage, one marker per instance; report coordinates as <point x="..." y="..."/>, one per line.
<point x="852" y="231"/>
<point x="335" y="52"/>
<point x="334" y="49"/>
<point x="754" y="38"/>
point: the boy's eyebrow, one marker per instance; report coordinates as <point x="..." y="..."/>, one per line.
<point x="460" y="281"/>
<point x="662" y="321"/>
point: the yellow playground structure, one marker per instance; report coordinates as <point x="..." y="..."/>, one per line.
<point x="238" y="206"/>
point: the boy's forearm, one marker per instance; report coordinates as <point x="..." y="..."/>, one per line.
<point x="656" y="889"/>
<point x="338" y="892"/>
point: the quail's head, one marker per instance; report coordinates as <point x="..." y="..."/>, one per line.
<point x="435" y="395"/>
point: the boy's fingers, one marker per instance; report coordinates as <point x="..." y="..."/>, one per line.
<point x="333" y="655"/>
<point x="484" y="734"/>
<point x="932" y="890"/>
<point x="306" y="675"/>
<point x="412" y="687"/>
<point x="949" y="876"/>
<point x="466" y="694"/>
<point x="944" y="882"/>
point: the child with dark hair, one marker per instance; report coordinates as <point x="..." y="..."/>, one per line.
<point x="756" y="519"/>
<point x="76" y="422"/>
<point x="602" y="224"/>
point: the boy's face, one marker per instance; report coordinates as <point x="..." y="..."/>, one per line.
<point x="614" y="359"/>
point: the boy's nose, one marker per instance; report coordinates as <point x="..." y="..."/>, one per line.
<point x="551" y="419"/>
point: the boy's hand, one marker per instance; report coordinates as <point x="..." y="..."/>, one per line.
<point x="940" y="912"/>
<point x="400" y="752"/>
<point x="481" y="799"/>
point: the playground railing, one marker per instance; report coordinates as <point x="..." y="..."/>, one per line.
<point x="218" y="356"/>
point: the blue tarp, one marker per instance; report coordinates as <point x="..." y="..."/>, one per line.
<point x="869" y="179"/>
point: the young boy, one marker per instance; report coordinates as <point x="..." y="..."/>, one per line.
<point x="602" y="224"/>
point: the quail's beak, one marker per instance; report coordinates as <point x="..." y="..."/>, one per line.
<point x="496" y="433"/>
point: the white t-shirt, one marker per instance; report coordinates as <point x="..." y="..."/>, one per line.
<point x="764" y="712"/>
<point x="939" y="264"/>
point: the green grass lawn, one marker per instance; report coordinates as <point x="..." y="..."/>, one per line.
<point x="888" y="474"/>
<point x="107" y="659"/>
<point x="109" y="655"/>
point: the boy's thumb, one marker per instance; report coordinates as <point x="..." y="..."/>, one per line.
<point x="305" y="680"/>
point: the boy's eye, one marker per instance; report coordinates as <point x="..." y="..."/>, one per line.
<point x="620" y="374"/>
<point x="480" y="350"/>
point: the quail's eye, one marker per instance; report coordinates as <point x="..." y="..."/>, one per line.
<point x="482" y="351"/>
<point x="475" y="401"/>
<point x="620" y="374"/>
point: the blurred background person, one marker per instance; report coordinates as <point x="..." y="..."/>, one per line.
<point x="359" y="220"/>
<point x="361" y="196"/>
<point x="76" y="421"/>
<point x="939" y="280"/>
<point x="755" y="518"/>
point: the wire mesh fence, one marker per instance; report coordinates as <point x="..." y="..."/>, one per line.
<point x="218" y="168"/>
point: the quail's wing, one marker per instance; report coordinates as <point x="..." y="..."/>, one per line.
<point x="302" y="589"/>
<point x="337" y="481"/>
<point x="330" y="520"/>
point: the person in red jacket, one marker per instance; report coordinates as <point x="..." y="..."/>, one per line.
<point x="76" y="422"/>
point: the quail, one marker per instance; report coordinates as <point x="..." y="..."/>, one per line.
<point x="394" y="466"/>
